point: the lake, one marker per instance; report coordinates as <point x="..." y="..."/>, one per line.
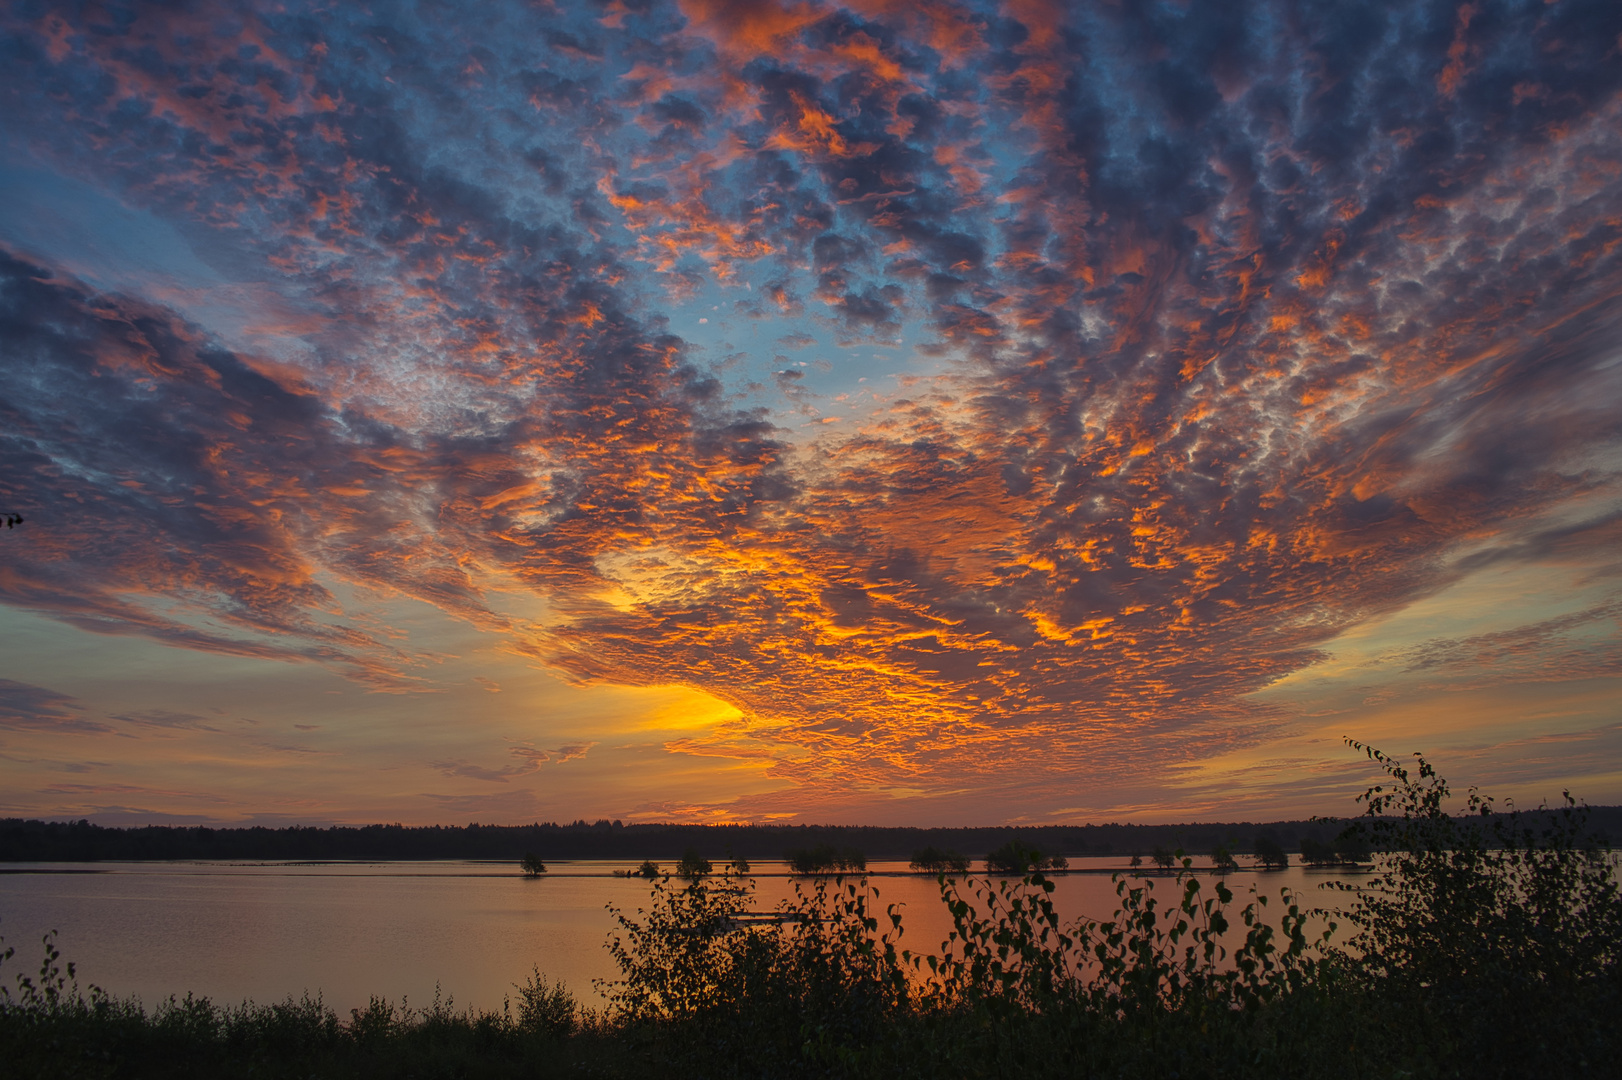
<point x="347" y="931"/>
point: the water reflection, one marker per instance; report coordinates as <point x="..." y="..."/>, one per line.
<point x="233" y="931"/>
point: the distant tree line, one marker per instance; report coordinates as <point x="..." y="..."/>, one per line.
<point x="837" y="847"/>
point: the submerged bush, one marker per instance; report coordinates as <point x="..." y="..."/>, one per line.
<point x="825" y="859"/>
<point x="1270" y="853"/>
<point x="932" y="860"/>
<point x="1013" y="857"/>
<point x="693" y="865"/>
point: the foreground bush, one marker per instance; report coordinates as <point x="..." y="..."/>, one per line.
<point x="1484" y="947"/>
<point x="1498" y="937"/>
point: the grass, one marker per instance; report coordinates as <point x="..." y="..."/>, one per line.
<point x="51" y="1028"/>
<point x="1484" y="946"/>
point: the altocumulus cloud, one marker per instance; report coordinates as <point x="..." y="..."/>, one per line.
<point x="530" y="760"/>
<point x="1233" y="326"/>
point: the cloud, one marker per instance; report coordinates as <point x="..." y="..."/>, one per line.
<point x="530" y="760"/>
<point x="1228" y="329"/>
<point x="166" y="719"/>
<point x="497" y="806"/>
<point x="34" y="708"/>
<point x="1575" y="646"/>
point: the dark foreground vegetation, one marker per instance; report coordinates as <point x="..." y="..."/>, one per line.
<point x="1486" y="946"/>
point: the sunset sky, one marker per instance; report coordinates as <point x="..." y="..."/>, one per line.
<point x="880" y="412"/>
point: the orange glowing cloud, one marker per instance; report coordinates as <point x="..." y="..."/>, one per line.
<point x="748" y="28"/>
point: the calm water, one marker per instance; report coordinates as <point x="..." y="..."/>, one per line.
<point x="267" y="931"/>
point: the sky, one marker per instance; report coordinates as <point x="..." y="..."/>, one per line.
<point x="925" y="413"/>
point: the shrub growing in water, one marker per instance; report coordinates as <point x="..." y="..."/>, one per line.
<point x="1315" y="852"/>
<point x="693" y="865"/>
<point x="1013" y="858"/>
<point x="825" y="859"/>
<point x="932" y="860"/>
<point x="1270" y="854"/>
<point x="1351" y="847"/>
